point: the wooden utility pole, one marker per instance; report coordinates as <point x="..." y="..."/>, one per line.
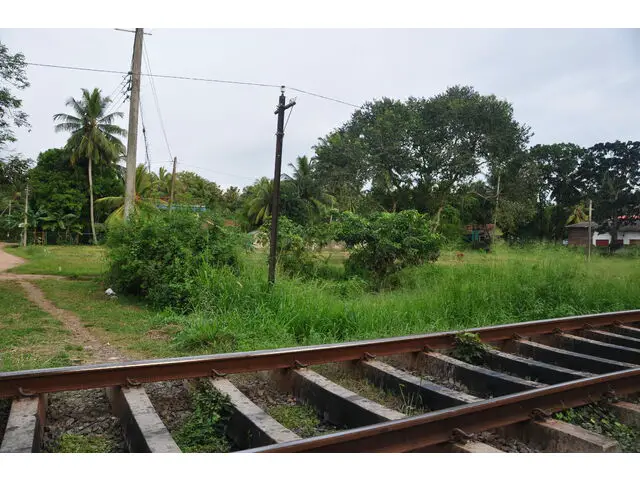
<point x="26" y="211"/>
<point x="132" y="140"/>
<point x="173" y="182"/>
<point x="495" y="213"/>
<point x="276" y="184"/>
<point x="589" y="240"/>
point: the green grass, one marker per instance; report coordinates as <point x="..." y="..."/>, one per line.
<point x="300" y="419"/>
<point x="600" y="419"/>
<point x="507" y="286"/>
<point x="70" y="261"/>
<point x="29" y="337"/>
<point x="204" y="429"/>
<point x="124" y="322"/>
<point x="73" y="443"/>
<point x="243" y="313"/>
<point x="403" y="402"/>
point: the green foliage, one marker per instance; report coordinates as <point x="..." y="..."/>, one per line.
<point x="159" y="256"/>
<point x="12" y="75"/>
<point x="301" y="419"/>
<point x="93" y="139"/>
<point x="469" y="348"/>
<point x="600" y="419"/>
<point x="192" y="189"/>
<point x="387" y="242"/>
<point x="295" y="253"/>
<point x="204" y="430"/>
<point x="74" y="443"/>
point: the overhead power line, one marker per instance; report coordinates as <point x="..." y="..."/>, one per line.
<point x="323" y="96"/>
<point x="155" y="98"/>
<point x="197" y="79"/>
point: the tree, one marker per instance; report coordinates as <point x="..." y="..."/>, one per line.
<point x="231" y="199"/>
<point x="578" y="214"/>
<point x="61" y="188"/>
<point x="260" y="198"/>
<point x="12" y="76"/>
<point x="193" y="189"/>
<point x="164" y="183"/>
<point x="559" y="189"/>
<point x="13" y="179"/>
<point x="610" y="175"/>
<point x="307" y="188"/>
<point x="143" y="201"/>
<point x="341" y="169"/>
<point x="94" y="136"/>
<point x="458" y="133"/>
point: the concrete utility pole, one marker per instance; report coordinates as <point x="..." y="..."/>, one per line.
<point x="173" y="182"/>
<point x="590" y="239"/>
<point x="26" y="211"/>
<point x="132" y="140"/>
<point x="276" y="184"/>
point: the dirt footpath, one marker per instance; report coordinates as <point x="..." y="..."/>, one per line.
<point x="98" y="352"/>
<point x="8" y="261"/>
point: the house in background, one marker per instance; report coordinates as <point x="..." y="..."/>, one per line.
<point x="579" y="233"/>
<point x="628" y="234"/>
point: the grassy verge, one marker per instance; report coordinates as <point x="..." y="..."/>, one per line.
<point x="124" y="322"/>
<point x="242" y="313"/>
<point x="71" y="261"/>
<point x="29" y="337"/>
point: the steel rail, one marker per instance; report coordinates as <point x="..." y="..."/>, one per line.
<point x="438" y="427"/>
<point x="31" y="382"/>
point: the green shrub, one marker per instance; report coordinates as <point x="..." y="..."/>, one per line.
<point x="296" y="245"/>
<point x="628" y="251"/>
<point x="205" y="428"/>
<point x="159" y="256"/>
<point x="386" y="242"/>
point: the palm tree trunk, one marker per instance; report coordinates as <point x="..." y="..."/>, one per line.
<point x="93" y="225"/>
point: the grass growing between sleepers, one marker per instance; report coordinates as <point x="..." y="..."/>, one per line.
<point x="600" y="419"/>
<point x="300" y="419"/>
<point x="204" y="429"/>
<point x="73" y="443"/>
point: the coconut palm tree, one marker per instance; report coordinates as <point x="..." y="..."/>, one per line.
<point x="259" y="205"/>
<point x="308" y="189"/>
<point x="143" y="201"/>
<point x="94" y="136"/>
<point x="578" y="214"/>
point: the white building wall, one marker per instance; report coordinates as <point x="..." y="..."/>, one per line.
<point x="628" y="236"/>
<point x="600" y="236"/>
<point x="625" y="236"/>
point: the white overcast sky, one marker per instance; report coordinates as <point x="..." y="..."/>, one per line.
<point x="576" y="86"/>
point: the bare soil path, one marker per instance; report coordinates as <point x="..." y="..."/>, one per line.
<point x="99" y="352"/>
<point x="7" y="260"/>
<point x="96" y="350"/>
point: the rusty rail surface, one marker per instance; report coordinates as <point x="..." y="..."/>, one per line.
<point x="436" y="427"/>
<point x="32" y="382"/>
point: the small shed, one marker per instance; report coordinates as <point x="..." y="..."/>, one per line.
<point x="579" y="233"/>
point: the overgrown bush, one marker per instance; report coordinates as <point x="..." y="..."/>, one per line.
<point x="296" y="247"/>
<point x="159" y="256"/>
<point x="386" y="242"/>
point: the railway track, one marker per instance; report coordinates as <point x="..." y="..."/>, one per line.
<point x="502" y="382"/>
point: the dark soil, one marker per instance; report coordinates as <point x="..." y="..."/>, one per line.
<point x="86" y="413"/>
<point x="171" y="401"/>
